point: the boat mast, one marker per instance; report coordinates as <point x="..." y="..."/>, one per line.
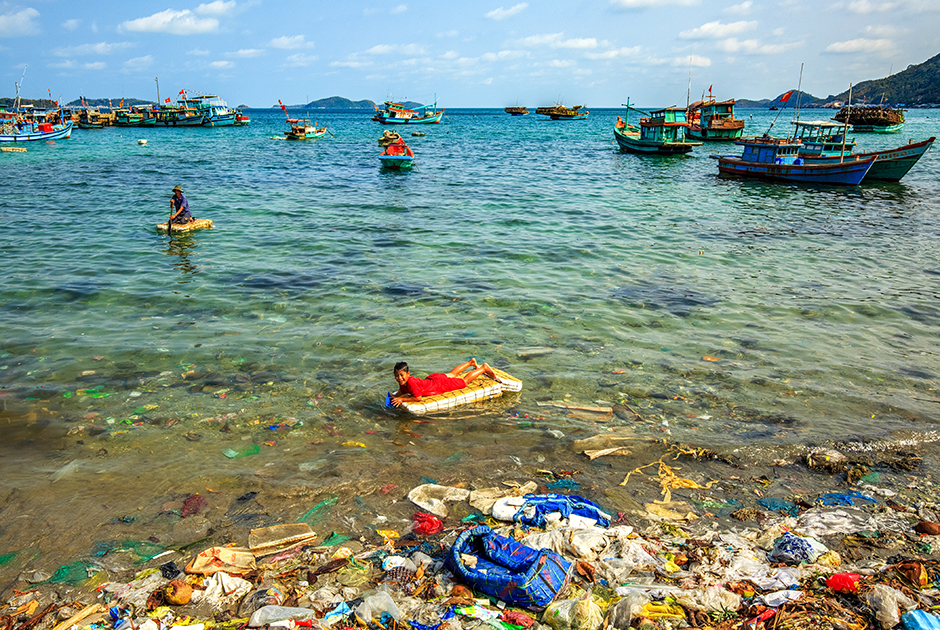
<point x="845" y="127"/>
<point x="688" y="95"/>
<point x="16" y="101"/>
<point x="159" y="102"/>
<point x="799" y="96"/>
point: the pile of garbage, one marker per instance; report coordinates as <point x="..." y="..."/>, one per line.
<point x="527" y="561"/>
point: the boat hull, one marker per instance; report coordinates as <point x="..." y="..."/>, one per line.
<point x="632" y="143"/>
<point x="844" y="174"/>
<point x="220" y="120"/>
<point x="397" y="162"/>
<point x="703" y="134"/>
<point x="877" y="128"/>
<point x="33" y="135"/>
<point x="890" y="165"/>
<point x="424" y="120"/>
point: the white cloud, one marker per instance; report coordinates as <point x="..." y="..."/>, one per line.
<point x="19" y="23"/>
<point x="401" y="8"/>
<point x="502" y="14"/>
<point x="555" y="40"/>
<point x="753" y="47"/>
<point x="300" y="60"/>
<point x="101" y="48"/>
<point x="290" y="42"/>
<point x="71" y="25"/>
<point x="502" y="55"/>
<point x="488" y="81"/>
<point x="246" y="53"/>
<point x="399" y="49"/>
<point x="198" y="52"/>
<point x="864" y="6"/>
<point x="138" y="64"/>
<point x="174" y="22"/>
<point x="883" y="31"/>
<point x="860" y="45"/>
<point x="450" y="54"/>
<point x="648" y="4"/>
<point x="96" y="65"/>
<point x="221" y="64"/>
<point x="717" y="30"/>
<point x="558" y="63"/>
<point x="739" y="9"/>
<point x="218" y="8"/>
<point x="350" y="64"/>
<point x="696" y="61"/>
<point x="63" y="64"/>
<point x="615" y="53"/>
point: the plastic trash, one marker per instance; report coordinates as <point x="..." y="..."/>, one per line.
<point x="234" y="560"/>
<point x="793" y="549"/>
<point x="318" y="512"/>
<point x="623" y="612"/>
<point x="538" y="510"/>
<point x="252" y="449"/>
<point x="711" y="599"/>
<point x="779" y="598"/>
<point x="269" y="614"/>
<point x="887" y="603"/>
<point x="374" y="606"/>
<point x="574" y="614"/>
<point x="395" y="562"/>
<point x="844" y="582"/>
<point x="426" y="524"/>
<point x="432" y="497"/>
<point x="845" y="498"/>
<point x="783" y="506"/>
<point x="920" y="620"/>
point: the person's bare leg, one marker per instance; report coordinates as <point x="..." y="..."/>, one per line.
<point x="483" y="369"/>
<point x="460" y="368"/>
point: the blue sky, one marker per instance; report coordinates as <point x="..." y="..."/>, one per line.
<point x="471" y="54"/>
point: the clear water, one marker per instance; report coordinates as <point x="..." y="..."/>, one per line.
<point x="742" y="316"/>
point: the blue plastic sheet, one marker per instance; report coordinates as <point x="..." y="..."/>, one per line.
<point x="565" y="504"/>
<point x="783" y="506"/>
<point x="844" y="498"/>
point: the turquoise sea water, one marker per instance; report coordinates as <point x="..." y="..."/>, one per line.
<point x="742" y="316"/>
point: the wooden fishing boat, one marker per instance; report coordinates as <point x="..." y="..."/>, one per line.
<point x="196" y="224"/>
<point x="890" y="165"/>
<point x="482" y="388"/>
<point x="771" y="158"/>
<point x="397" y="156"/>
<point x="822" y="138"/>
<point x="397" y="114"/>
<point x="14" y="129"/>
<point x="661" y="133"/>
<point x="872" y="118"/>
<point x="302" y="130"/>
<point x="712" y="120"/>
<point x="242" y="119"/>
<point x="517" y="111"/>
<point x="560" y="112"/>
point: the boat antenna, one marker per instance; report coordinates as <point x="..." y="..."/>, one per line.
<point x="16" y="101"/>
<point x="688" y="95"/>
<point x="845" y="127"/>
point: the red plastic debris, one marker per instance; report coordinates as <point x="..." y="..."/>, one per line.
<point x="844" y="582"/>
<point x="517" y="618"/>
<point x="426" y="524"/>
<point x="193" y="504"/>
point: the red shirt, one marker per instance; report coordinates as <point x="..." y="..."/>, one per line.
<point x="433" y="385"/>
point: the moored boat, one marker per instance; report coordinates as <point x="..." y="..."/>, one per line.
<point x="872" y="118"/>
<point x="213" y="110"/>
<point x="242" y="119"/>
<point x="397" y="156"/>
<point x="822" y="138"/>
<point x="560" y="112"/>
<point x="771" y="158"/>
<point x="890" y="165"/>
<point x="712" y="120"/>
<point x="302" y="130"/>
<point x="13" y="129"/>
<point x="662" y="132"/>
<point x="397" y="114"/>
<point x="517" y="111"/>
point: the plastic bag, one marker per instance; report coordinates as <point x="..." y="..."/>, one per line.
<point x="844" y="582"/>
<point x="268" y="614"/>
<point x="886" y="602"/>
<point x="793" y="549"/>
<point x="713" y="598"/>
<point x="920" y="620"/>
<point x="588" y="543"/>
<point x="431" y="497"/>
<point x="426" y="524"/>
<point x="374" y="605"/>
<point x="623" y="612"/>
<point x="574" y="614"/>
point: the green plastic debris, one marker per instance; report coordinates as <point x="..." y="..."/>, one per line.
<point x="74" y="573"/>
<point x="231" y="453"/>
<point x="318" y="512"/>
<point x="140" y="410"/>
<point x="7" y="557"/>
<point x="334" y="539"/>
<point x="472" y="517"/>
<point x="456" y="457"/>
<point x="66" y="394"/>
<point x="871" y="477"/>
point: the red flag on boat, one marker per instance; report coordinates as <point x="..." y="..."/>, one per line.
<point x="283" y="109"/>
<point x="710" y="88"/>
<point x="786" y="97"/>
<point x="182" y="92"/>
<point x="166" y="100"/>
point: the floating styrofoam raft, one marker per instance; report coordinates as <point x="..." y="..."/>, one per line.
<point x="198" y="224"/>
<point x="480" y="389"/>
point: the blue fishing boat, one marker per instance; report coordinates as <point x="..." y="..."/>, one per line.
<point x="397" y="156"/>
<point x="15" y="128"/>
<point x="398" y="114"/>
<point x="662" y="132"/>
<point x="890" y="165"/>
<point x="771" y="158"/>
<point x="822" y="138"/>
<point x="712" y="120"/>
<point x="213" y="110"/>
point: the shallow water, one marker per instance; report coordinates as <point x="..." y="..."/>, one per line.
<point x="747" y="317"/>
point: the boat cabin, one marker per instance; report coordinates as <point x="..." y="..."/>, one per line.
<point x="664" y="125"/>
<point x="767" y="150"/>
<point x="822" y="138"/>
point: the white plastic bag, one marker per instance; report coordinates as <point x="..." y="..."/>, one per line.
<point x="268" y="614"/>
<point x="886" y="602"/>
<point x="712" y="599"/>
<point x="374" y="605"/>
<point x="574" y="614"/>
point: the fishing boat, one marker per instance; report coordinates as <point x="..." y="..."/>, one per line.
<point x="662" y="132"/>
<point x="398" y="114"/>
<point x="890" y="165"/>
<point x="91" y="118"/>
<point x="397" y="156"/>
<point x="872" y="118"/>
<point x="517" y="111"/>
<point x="132" y="117"/>
<point x="242" y="119"/>
<point x="711" y="120"/>
<point x="302" y="130"/>
<point x="771" y="158"/>
<point x="14" y="128"/>
<point x="822" y="138"/>
<point x="213" y="110"/>
<point x="560" y="112"/>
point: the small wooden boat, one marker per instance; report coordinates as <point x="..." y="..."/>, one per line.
<point x="712" y="120"/>
<point x="397" y="156"/>
<point x="821" y="138"/>
<point x="397" y="114"/>
<point x="778" y="159"/>
<point x="517" y="111"/>
<point x="12" y="149"/>
<point x="890" y="165"/>
<point x="19" y="130"/>
<point x="661" y="133"/>
<point x="196" y="224"/>
<point x="560" y="112"/>
<point x="482" y="388"/>
<point x="302" y="130"/>
<point x="872" y="119"/>
<point x="241" y="118"/>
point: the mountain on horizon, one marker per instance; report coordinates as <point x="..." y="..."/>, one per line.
<point x="333" y="102"/>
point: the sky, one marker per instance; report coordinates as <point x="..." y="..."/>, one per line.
<point x="486" y="53"/>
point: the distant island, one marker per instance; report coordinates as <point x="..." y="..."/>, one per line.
<point x="333" y="102"/>
<point x="916" y="86"/>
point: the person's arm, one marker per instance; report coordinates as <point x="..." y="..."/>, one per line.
<point x="398" y="400"/>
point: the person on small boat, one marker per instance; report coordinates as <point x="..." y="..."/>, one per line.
<point x="179" y="206"/>
<point x="411" y="389"/>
